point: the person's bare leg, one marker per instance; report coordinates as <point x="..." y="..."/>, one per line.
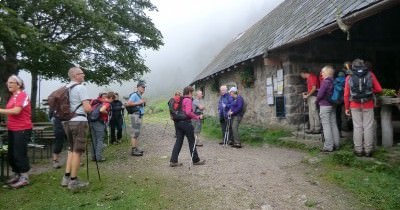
<point x="75" y="163"/>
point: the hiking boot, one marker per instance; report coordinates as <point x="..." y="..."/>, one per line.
<point x="358" y="154"/>
<point x="56" y="164"/>
<point x="100" y="159"/>
<point x="199" y="144"/>
<point x="309" y="131"/>
<point x="230" y="143"/>
<point x="368" y="154"/>
<point x="23" y="181"/>
<point x="237" y="145"/>
<point x="65" y="181"/>
<point x="221" y="143"/>
<point x="14" y="178"/>
<point x="135" y="152"/>
<point x="200" y="162"/>
<point x="76" y="184"/>
<point x="325" y="150"/>
<point x="175" y="164"/>
<point x="316" y="132"/>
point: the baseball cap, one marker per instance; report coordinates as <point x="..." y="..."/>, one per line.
<point x="233" y="89"/>
<point x="141" y="84"/>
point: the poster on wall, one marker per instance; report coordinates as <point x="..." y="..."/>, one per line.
<point x="270" y="91"/>
<point x="279" y="82"/>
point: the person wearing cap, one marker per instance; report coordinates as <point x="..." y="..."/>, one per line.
<point x="135" y="107"/>
<point x="236" y="113"/>
<point x="358" y="102"/>
<point x="19" y="126"/>
<point x="223" y="107"/>
<point x="311" y="97"/>
<point x="116" y="120"/>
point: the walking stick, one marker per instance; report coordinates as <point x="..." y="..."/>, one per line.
<point x="94" y="151"/>
<point x="228" y="124"/>
<point x="87" y="161"/>
<point x="304" y="118"/>
<point x="191" y="156"/>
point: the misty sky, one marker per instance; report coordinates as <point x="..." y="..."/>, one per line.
<point x="194" y="32"/>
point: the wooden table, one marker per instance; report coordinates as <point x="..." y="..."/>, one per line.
<point x="386" y="119"/>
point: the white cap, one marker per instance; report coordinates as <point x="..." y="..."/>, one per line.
<point x="233" y="89"/>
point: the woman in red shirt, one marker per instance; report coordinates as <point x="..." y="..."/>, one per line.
<point x="19" y="125"/>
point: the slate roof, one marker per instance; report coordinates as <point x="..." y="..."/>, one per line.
<point x="289" y="22"/>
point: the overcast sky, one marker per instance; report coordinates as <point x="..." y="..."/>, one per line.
<point x="194" y="32"/>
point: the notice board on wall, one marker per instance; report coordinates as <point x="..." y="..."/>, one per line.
<point x="280" y="106"/>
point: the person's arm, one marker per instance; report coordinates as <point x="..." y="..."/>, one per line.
<point x="322" y="90"/>
<point x="104" y="108"/>
<point x="86" y="106"/>
<point x="13" y="111"/>
<point x="187" y="109"/>
<point x="376" y="86"/>
<point x="133" y="98"/>
<point x="239" y="104"/>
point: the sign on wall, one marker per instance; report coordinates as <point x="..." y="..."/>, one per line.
<point x="270" y="91"/>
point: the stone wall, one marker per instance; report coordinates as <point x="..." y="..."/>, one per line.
<point x="258" y="111"/>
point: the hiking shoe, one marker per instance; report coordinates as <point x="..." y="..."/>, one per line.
<point x="368" y="154"/>
<point x="237" y="145"/>
<point x="199" y="144"/>
<point x="23" y="181"/>
<point x="175" y="164"/>
<point x="13" y="179"/>
<point x="77" y="184"/>
<point x="230" y="143"/>
<point x="358" y="154"/>
<point x="135" y="152"/>
<point x="200" y="162"/>
<point x="99" y="159"/>
<point x="56" y="164"/>
<point x="65" y="181"/>
<point x="221" y="143"/>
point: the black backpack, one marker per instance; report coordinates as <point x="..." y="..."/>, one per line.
<point x="175" y="109"/>
<point x="361" y="85"/>
<point x="59" y="103"/>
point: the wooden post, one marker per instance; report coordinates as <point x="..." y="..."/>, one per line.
<point x="387" y="126"/>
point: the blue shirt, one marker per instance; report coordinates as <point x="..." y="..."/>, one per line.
<point x="224" y="105"/>
<point x="135" y="98"/>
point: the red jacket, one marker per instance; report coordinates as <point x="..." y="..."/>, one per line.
<point x="376" y="88"/>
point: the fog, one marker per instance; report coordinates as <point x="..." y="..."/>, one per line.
<point x="194" y="32"/>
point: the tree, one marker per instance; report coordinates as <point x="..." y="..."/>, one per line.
<point x="105" y="37"/>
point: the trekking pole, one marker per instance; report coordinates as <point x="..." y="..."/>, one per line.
<point x="322" y="129"/>
<point x="87" y="162"/>
<point x="298" y="125"/>
<point x="304" y="118"/>
<point x="125" y="131"/>
<point x="94" y="151"/>
<point x="191" y="156"/>
<point x="228" y="124"/>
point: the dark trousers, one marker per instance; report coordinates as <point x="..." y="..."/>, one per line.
<point x="59" y="136"/>
<point x="339" y="108"/>
<point x="224" y="123"/>
<point x="116" y="123"/>
<point x="184" y="128"/>
<point x="18" y="150"/>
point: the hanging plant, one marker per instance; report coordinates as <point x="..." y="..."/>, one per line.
<point x="247" y="76"/>
<point x="215" y="85"/>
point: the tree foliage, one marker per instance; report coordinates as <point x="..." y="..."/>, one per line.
<point x="105" y="37"/>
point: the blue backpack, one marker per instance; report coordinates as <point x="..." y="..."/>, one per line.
<point x="338" y="90"/>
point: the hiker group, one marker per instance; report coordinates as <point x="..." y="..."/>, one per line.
<point x="353" y="87"/>
<point x="74" y="115"/>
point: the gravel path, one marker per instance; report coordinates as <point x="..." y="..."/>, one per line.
<point x="246" y="178"/>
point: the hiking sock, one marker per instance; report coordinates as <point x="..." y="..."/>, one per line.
<point x="67" y="174"/>
<point x="74" y="178"/>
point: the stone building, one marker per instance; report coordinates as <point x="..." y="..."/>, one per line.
<point x="264" y="62"/>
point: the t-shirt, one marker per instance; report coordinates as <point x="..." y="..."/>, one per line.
<point x="21" y="121"/>
<point x="196" y="103"/>
<point x="135" y="98"/>
<point x="312" y="80"/>
<point x="77" y="95"/>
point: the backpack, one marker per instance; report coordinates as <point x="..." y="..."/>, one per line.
<point x="244" y="107"/>
<point x="175" y="108"/>
<point x="59" y="102"/>
<point x="133" y="109"/>
<point x="95" y="114"/>
<point x="338" y="90"/>
<point x="360" y="86"/>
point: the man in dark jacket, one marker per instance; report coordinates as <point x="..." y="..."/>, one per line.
<point x="116" y="119"/>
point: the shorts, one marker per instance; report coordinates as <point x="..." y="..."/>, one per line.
<point x="76" y="132"/>
<point x="136" y="122"/>
<point x="197" y="126"/>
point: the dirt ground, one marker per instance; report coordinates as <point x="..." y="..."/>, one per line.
<point x="248" y="178"/>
